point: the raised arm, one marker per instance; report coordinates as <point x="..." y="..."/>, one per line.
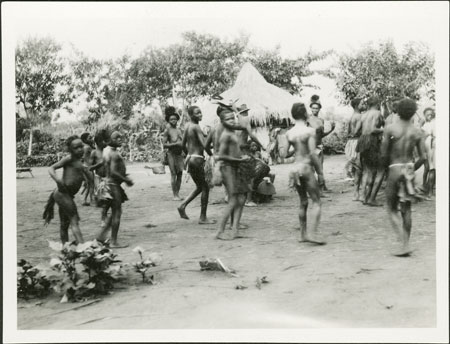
<point x="420" y="145"/>
<point x="223" y="151"/>
<point x="209" y="142"/>
<point x="184" y="141"/>
<point x="333" y="125"/>
<point x="114" y="170"/>
<point x="253" y="136"/>
<point x="200" y="136"/>
<point x="314" y="158"/>
<point x="56" y="166"/>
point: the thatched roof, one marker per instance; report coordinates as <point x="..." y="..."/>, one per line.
<point x="264" y="100"/>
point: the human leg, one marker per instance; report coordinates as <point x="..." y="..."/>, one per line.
<point x="376" y="187"/>
<point x="237" y="214"/>
<point x="64" y="226"/>
<point x="315" y="210"/>
<point x="194" y="171"/>
<point x="301" y="190"/>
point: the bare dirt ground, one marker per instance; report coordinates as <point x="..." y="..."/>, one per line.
<point x="353" y="281"/>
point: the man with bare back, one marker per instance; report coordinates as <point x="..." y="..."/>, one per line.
<point x="353" y="166"/>
<point x="318" y="124"/>
<point x="369" y="148"/>
<point x="113" y="194"/>
<point x="301" y="176"/>
<point x="194" y="144"/>
<point x="399" y="141"/>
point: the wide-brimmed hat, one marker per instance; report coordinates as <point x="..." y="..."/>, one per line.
<point x="243" y="108"/>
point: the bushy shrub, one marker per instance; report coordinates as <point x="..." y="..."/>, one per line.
<point x="82" y="270"/>
<point x="31" y="281"/>
<point x="36" y="161"/>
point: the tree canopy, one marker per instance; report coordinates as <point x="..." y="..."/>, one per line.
<point x="379" y="69"/>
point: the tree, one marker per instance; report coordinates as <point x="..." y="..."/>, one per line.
<point x="39" y="72"/>
<point x="281" y="72"/>
<point x="381" y="70"/>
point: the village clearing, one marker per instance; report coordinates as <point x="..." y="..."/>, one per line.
<point x="353" y="281"/>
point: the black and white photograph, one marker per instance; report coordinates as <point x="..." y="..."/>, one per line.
<point x="225" y="171"/>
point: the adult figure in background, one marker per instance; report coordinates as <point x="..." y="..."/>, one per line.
<point x="88" y="146"/>
<point x="369" y="148"/>
<point x="429" y="173"/>
<point x="353" y="166"/>
<point x="172" y="139"/>
<point x="318" y="124"/>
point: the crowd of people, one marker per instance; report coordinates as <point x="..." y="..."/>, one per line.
<point x="377" y="149"/>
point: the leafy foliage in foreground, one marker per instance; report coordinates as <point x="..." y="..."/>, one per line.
<point x="31" y="281"/>
<point x="83" y="269"/>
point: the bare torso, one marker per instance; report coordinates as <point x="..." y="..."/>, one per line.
<point x="174" y="135"/>
<point x="371" y="120"/>
<point x="194" y="141"/>
<point x="402" y="137"/>
<point x="355" y="125"/>
<point x="299" y="137"/>
<point x="73" y="175"/>
<point x="114" y="163"/>
<point x="242" y="135"/>
<point x="97" y="157"/>
<point x="231" y="144"/>
<point x="318" y="124"/>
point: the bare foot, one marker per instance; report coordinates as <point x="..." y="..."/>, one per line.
<point x="322" y="195"/>
<point x="118" y="245"/>
<point x="222" y="236"/>
<point x="177" y="198"/>
<point x="356" y="198"/>
<point x="182" y="213"/>
<point x="251" y="204"/>
<point x="312" y="240"/>
<point x="403" y="252"/>
<point x="207" y="222"/>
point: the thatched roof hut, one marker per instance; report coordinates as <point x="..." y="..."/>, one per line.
<point x="265" y="101"/>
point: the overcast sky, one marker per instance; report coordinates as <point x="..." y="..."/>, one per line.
<point x="107" y="30"/>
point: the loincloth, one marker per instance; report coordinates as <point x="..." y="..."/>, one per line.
<point x="369" y="148"/>
<point x="406" y="191"/>
<point x="299" y="172"/>
<point x="235" y="181"/>
<point x="262" y="170"/>
<point x="175" y="162"/>
<point x="247" y="170"/>
<point x="66" y="204"/>
<point x="108" y="192"/>
<point x="351" y="154"/>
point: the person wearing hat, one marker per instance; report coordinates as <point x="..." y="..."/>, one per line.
<point x="243" y="136"/>
<point x="318" y="123"/>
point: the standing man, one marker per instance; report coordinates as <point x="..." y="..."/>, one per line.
<point x="113" y="194"/>
<point x="244" y="121"/>
<point x="234" y="172"/>
<point x="301" y="177"/>
<point x="399" y="141"/>
<point x="369" y="148"/>
<point x="172" y="139"/>
<point x="88" y="184"/>
<point x="194" y="145"/>
<point x="318" y="124"/>
<point x="353" y="165"/>
<point x="429" y="173"/>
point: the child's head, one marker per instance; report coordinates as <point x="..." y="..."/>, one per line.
<point x="195" y="113"/>
<point x="395" y="102"/>
<point x="406" y="108"/>
<point x="86" y="138"/>
<point x="116" y="139"/>
<point x="429" y="114"/>
<point x="299" y="112"/>
<point x="99" y="139"/>
<point x="253" y="147"/>
<point x="173" y="119"/>
<point x="227" y="118"/>
<point x="373" y="101"/>
<point x="355" y="103"/>
<point x="170" y="111"/>
<point x="75" y="146"/>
